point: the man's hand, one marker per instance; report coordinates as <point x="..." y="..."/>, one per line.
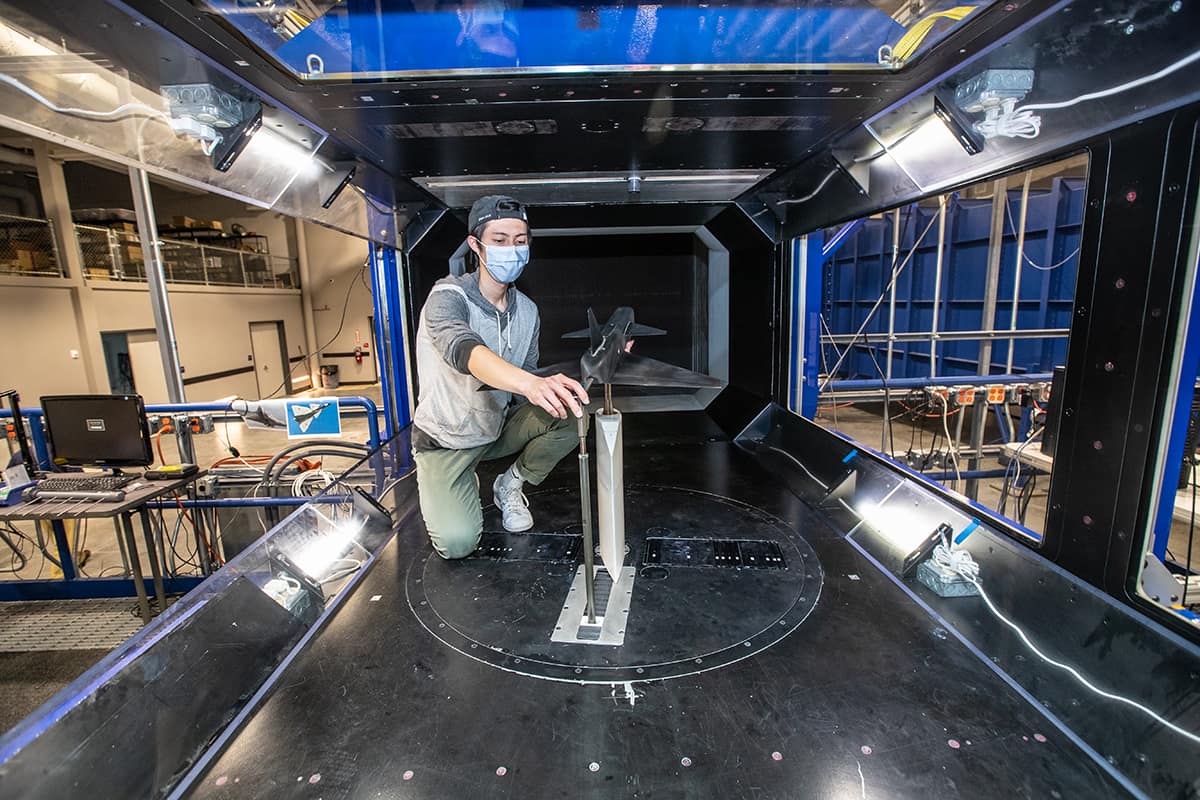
<point x="556" y="394"/>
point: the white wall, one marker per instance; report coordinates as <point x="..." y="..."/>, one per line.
<point x="38" y="334"/>
<point x="212" y="328"/>
<point x="335" y="264"/>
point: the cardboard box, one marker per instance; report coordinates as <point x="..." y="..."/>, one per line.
<point x="183" y="222"/>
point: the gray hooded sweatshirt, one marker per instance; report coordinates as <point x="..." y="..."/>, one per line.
<point x="456" y="318"/>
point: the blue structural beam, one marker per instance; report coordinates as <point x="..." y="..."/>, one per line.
<point x="170" y="409"/>
<point x="804" y="369"/>
<point x="1189" y="366"/>
<point x="944" y="380"/>
<point x="834" y="243"/>
<point x="389" y="332"/>
<point x="85" y="588"/>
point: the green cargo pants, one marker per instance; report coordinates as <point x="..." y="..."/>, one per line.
<point x="449" y="490"/>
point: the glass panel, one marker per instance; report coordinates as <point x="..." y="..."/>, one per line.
<point x="179" y="131"/>
<point x="948" y="368"/>
<point x="335" y="41"/>
<point x="258" y="606"/>
<point x="1169" y="572"/>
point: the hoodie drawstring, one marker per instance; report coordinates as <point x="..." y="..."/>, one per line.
<point x="503" y="336"/>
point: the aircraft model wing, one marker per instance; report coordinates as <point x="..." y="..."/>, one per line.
<point x="638" y="330"/>
<point x="641" y="371"/>
<point x="568" y="368"/>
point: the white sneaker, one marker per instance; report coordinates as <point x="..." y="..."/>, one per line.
<point x="513" y="505"/>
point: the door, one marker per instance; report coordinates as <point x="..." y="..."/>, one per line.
<point x="269" y="351"/>
<point x="145" y="366"/>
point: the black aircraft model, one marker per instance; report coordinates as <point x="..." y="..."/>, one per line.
<point x="608" y="362"/>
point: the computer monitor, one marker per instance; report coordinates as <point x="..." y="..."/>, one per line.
<point x="98" y="430"/>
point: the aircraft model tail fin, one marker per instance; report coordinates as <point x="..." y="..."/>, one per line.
<point x="592" y="331"/>
<point x="641" y="371"/>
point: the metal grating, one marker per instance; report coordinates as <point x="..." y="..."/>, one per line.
<point x="67" y="624"/>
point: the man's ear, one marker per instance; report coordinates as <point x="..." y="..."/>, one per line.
<point x="475" y="245"/>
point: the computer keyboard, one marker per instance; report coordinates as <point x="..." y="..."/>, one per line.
<point x="85" y="483"/>
<point x="100" y="488"/>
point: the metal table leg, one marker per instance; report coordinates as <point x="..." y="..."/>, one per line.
<point x="139" y="581"/>
<point x="151" y="553"/>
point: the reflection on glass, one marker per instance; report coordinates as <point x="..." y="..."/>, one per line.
<point x="942" y="328"/>
<point x="392" y="38"/>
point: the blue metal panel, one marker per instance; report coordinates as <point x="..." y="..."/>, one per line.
<point x="859" y="271"/>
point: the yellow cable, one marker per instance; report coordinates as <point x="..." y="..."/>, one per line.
<point x="912" y="38"/>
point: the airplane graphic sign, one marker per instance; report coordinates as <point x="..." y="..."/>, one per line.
<point x="307" y="418"/>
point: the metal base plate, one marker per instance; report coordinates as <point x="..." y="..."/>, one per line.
<point x="612" y="609"/>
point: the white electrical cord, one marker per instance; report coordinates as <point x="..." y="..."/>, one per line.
<point x="951" y="445"/>
<point x="326" y="477"/>
<point x="811" y="194"/>
<point x="1025" y="256"/>
<point x="961" y="562"/>
<point x="1022" y="123"/>
<point x="120" y="111"/>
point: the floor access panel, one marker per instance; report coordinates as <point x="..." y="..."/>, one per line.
<point x="816" y="677"/>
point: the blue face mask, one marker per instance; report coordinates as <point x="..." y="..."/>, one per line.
<point x="506" y="263"/>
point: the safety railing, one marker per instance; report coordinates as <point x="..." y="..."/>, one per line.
<point x="117" y="255"/>
<point x="27" y="247"/>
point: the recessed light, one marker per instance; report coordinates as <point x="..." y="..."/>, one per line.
<point x="241" y="63"/>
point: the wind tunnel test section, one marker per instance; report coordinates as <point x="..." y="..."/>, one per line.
<point x="887" y="486"/>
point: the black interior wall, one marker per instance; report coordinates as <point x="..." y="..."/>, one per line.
<point x="1129" y="309"/>
<point x="656" y="274"/>
<point x="757" y="313"/>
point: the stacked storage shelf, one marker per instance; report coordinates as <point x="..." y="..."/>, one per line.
<point x="858" y="274"/>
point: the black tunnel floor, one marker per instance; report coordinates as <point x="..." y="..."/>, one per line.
<point x="855" y="692"/>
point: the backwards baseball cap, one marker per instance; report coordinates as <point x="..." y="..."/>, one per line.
<point x="493" y="206"/>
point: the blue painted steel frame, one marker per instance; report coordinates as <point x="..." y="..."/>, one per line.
<point x="807" y="257"/>
<point x="1189" y="365"/>
<point x="389" y="332"/>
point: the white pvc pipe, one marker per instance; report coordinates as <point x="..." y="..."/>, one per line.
<point x="1012" y="324"/>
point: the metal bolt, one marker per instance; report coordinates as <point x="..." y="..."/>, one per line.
<point x="1130" y="196"/>
<point x="1087" y="519"/>
<point x="1109" y="366"/>
<point x="1119" y="283"/>
<point x="1129" y="29"/>
<point x="1176" y="6"/>
<point x="1097" y="445"/>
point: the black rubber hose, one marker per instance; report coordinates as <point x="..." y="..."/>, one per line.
<point x="270" y="468"/>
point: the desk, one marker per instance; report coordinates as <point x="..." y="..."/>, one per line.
<point x="137" y="495"/>
<point x="1031" y="456"/>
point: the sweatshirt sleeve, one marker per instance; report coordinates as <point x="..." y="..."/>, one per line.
<point x="446" y="316"/>
<point x="534" y="352"/>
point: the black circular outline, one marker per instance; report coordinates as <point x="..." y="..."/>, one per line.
<point x="789" y="621"/>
